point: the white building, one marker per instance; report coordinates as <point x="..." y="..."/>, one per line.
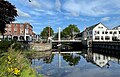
<point x="100" y="32"/>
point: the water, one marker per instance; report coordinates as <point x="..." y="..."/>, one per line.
<point x="85" y="63"/>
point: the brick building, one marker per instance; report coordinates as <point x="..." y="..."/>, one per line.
<point x="19" y="31"/>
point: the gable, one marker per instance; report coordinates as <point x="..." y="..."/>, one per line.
<point x="100" y="27"/>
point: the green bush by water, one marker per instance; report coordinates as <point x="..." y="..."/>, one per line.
<point x="4" y="44"/>
<point x="14" y="64"/>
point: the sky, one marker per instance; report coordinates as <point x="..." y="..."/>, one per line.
<point x="61" y="13"/>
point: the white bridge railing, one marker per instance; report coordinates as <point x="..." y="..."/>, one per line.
<point x="66" y="40"/>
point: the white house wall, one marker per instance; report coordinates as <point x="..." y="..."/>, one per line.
<point x="99" y="28"/>
<point x="101" y="33"/>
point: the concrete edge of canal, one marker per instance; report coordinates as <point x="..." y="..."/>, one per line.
<point x="41" y="47"/>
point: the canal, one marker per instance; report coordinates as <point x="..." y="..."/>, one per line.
<point x="84" y="63"/>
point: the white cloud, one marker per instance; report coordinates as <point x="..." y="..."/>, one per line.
<point x="92" y="7"/>
<point x="105" y="19"/>
<point x="40" y="4"/>
<point x="22" y="14"/>
<point x="35" y="13"/>
<point x="35" y="3"/>
<point x="50" y="13"/>
<point x="72" y="7"/>
<point x="58" y="5"/>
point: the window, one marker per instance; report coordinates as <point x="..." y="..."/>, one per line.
<point x="106" y="32"/>
<point x="107" y="38"/>
<point x="115" y="32"/>
<point x="96" y="37"/>
<point x="90" y="37"/>
<point x="101" y="37"/>
<point x="103" y="32"/>
<point x="110" y="32"/>
<point x="90" y="32"/>
<point x="87" y="37"/>
<point x="100" y="27"/>
<point x="119" y="32"/>
<point x="21" y="31"/>
<point x="98" y="32"/>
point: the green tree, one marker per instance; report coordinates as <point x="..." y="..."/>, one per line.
<point x="46" y="32"/>
<point x="8" y="13"/>
<point x="70" y="31"/>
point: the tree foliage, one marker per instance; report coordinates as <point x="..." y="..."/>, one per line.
<point x="45" y="32"/>
<point x="70" y="31"/>
<point x="8" y="13"/>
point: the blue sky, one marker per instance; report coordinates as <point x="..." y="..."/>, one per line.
<point x="61" y="13"/>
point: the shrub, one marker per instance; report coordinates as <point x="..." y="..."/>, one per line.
<point x="17" y="46"/>
<point x="20" y="46"/>
<point x="4" y="44"/>
<point x="14" y="64"/>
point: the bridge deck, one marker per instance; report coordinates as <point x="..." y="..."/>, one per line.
<point x="66" y="40"/>
<point x="67" y="52"/>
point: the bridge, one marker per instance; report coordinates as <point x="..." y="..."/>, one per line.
<point x="59" y="39"/>
<point x="66" y="40"/>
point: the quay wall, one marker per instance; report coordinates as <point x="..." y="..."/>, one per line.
<point x="41" y="47"/>
<point x="113" y="45"/>
<point x="84" y="43"/>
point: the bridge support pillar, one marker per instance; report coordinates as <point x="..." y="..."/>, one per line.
<point x="59" y="34"/>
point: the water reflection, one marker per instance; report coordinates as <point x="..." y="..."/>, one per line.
<point x="72" y="58"/>
<point x="77" y="63"/>
<point x="101" y="59"/>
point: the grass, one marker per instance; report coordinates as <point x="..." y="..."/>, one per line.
<point x="15" y="64"/>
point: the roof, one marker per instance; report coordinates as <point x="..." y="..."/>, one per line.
<point x="116" y="27"/>
<point x="91" y="27"/>
<point x="23" y="24"/>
